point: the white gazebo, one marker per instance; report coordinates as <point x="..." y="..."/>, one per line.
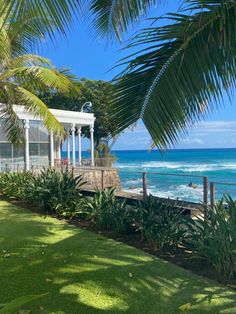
<point x="72" y="121"/>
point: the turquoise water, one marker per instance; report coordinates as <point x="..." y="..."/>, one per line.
<point x="216" y="164"/>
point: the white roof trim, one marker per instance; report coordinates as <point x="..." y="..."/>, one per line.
<point x="65" y="117"/>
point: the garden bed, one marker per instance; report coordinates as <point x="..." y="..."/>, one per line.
<point x="182" y="257"/>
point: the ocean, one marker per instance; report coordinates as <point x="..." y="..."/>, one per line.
<point x="219" y="165"/>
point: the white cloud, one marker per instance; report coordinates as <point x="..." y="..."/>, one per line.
<point x="215" y="126"/>
<point x="194" y="140"/>
<point x="207" y="134"/>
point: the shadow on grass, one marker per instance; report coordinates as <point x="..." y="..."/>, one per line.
<point x="87" y="273"/>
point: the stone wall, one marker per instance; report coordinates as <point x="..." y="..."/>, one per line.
<point x="99" y="178"/>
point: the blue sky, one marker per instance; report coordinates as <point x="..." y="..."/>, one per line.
<point x="91" y="58"/>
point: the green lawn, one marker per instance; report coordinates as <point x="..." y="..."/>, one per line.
<point x="87" y="273"/>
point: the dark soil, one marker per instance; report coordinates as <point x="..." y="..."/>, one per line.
<point x="182" y="257"/>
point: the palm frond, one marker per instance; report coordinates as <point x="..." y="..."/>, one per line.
<point x="12" y="125"/>
<point x="28" y="31"/>
<point x="5" y="45"/>
<point x="28" y="60"/>
<point x="38" y="75"/>
<point x="38" y="108"/>
<point x="113" y="17"/>
<point x="59" y="13"/>
<point x="181" y="76"/>
<point x="23" y="74"/>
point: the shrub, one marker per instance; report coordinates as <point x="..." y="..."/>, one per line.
<point x="107" y="212"/>
<point x="161" y="224"/>
<point x="56" y="191"/>
<point x="15" y="184"/>
<point x="51" y="189"/>
<point x="214" y="237"/>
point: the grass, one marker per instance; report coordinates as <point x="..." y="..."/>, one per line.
<point x="85" y="273"/>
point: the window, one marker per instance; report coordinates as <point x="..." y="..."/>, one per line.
<point x="37" y="132"/>
<point x="5" y="151"/>
<point x="3" y="137"/>
<point x="34" y="131"/>
<point x="43" y="149"/>
<point x="34" y="149"/>
<point x="43" y="134"/>
<point x="18" y="153"/>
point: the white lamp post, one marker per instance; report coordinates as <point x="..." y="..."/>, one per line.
<point x="86" y="104"/>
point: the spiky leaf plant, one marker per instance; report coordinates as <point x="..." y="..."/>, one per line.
<point x="162" y="224"/>
<point x="214" y="236"/>
<point x="107" y="212"/>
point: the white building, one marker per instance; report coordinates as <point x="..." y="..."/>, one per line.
<point x="40" y="148"/>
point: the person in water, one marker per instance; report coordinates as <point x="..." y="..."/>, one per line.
<point x="192" y="185"/>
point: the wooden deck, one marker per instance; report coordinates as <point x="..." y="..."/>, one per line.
<point x="131" y="197"/>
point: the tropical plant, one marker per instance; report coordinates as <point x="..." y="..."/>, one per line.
<point x="160" y="223"/>
<point x="50" y="16"/>
<point x="57" y="192"/>
<point x="15" y="184"/>
<point x="53" y="190"/>
<point x="214" y="236"/>
<point x="107" y="212"/>
<point x="21" y="74"/>
<point x="113" y="18"/>
<point x="180" y="69"/>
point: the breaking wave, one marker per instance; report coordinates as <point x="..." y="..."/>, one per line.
<point x="180" y="192"/>
<point x="181" y="167"/>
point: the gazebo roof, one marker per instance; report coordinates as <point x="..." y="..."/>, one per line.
<point x="65" y="117"/>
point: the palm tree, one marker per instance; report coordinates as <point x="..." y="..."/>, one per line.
<point x="55" y="16"/>
<point x="180" y="70"/>
<point x="21" y="74"/>
<point x="23" y="27"/>
<point x="113" y="18"/>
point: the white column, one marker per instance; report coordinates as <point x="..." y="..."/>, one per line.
<point x="59" y="148"/>
<point x="92" y="145"/>
<point x="79" y="146"/>
<point x="51" y="143"/>
<point x="27" y="161"/>
<point x="73" y="144"/>
<point x="68" y="146"/>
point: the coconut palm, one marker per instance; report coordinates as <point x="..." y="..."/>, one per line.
<point x="54" y="15"/>
<point x="180" y="70"/>
<point x="24" y="25"/>
<point x="21" y="74"/>
<point x="112" y="18"/>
